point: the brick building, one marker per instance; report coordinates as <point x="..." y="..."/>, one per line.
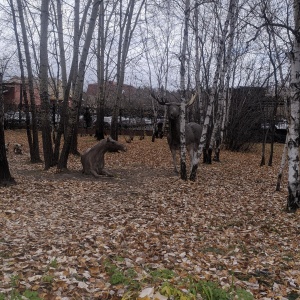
<point x="13" y="98"/>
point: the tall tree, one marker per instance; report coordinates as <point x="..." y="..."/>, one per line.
<point x="74" y="73"/>
<point x="100" y="74"/>
<point x="197" y="61"/>
<point x="183" y="59"/>
<point x="68" y="82"/>
<point x="45" y="103"/>
<point x="293" y="202"/>
<point x="35" y="155"/>
<point x="160" y="39"/>
<point x="212" y="95"/>
<point x="105" y="18"/>
<point x="74" y="110"/>
<point x="23" y="82"/>
<point x="34" y="151"/>
<point x="127" y="28"/>
<point x="232" y="18"/>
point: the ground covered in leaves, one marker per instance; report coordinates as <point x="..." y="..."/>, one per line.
<point x="70" y="236"/>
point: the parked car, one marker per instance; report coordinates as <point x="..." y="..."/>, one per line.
<point x="14" y="119"/>
<point x="282" y="124"/>
<point x="107" y="121"/>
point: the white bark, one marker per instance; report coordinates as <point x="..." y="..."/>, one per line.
<point x="293" y="143"/>
<point x="198" y="62"/>
<point x="212" y="96"/>
<point x="282" y="163"/>
<point x="183" y="173"/>
<point x="232" y="19"/>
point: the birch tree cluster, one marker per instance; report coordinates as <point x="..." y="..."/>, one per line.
<point x="211" y="48"/>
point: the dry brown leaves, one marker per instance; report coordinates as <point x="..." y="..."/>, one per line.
<point x="228" y="226"/>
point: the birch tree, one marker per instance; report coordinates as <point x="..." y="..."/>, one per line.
<point x="293" y="202"/>
<point x="212" y="95"/>
<point x="197" y="61"/>
<point x="183" y="172"/>
<point x="232" y="18"/>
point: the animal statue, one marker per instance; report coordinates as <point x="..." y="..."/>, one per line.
<point x="92" y="159"/>
<point x="193" y="132"/>
<point x="18" y="148"/>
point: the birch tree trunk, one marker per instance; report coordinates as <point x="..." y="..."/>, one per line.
<point x="45" y="103"/>
<point x="215" y="141"/>
<point x="293" y="201"/>
<point x="73" y="115"/>
<point x="282" y="163"/>
<point x="198" y="63"/>
<point x="284" y="152"/>
<point x="212" y="97"/>
<point x="278" y="89"/>
<point x="183" y="172"/>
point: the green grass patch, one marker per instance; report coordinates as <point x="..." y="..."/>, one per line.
<point x="162" y="274"/>
<point x="126" y="277"/>
<point x="169" y="284"/>
<point x="15" y="295"/>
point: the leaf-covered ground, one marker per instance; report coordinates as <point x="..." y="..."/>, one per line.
<point x="59" y="232"/>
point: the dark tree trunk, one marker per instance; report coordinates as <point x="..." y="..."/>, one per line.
<point x="76" y="102"/>
<point x="23" y="92"/>
<point x="100" y="74"/>
<point x="114" y="130"/>
<point x="100" y="123"/>
<point x="5" y="177"/>
<point x="35" y="155"/>
<point x="45" y="103"/>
